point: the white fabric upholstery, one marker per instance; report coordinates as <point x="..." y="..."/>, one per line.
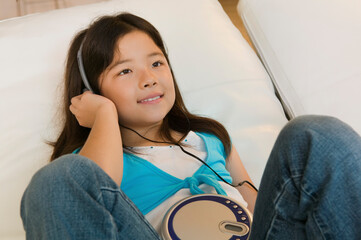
<point x="312" y="51"/>
<point x="218" y="73"/>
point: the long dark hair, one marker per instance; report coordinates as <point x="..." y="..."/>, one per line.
<point x="99" y="43"/>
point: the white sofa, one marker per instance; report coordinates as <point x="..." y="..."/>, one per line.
<point x="311" y="50"/>
<point x="218" y="73"/>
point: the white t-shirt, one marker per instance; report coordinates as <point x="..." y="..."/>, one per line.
<point x="172" y="160"/>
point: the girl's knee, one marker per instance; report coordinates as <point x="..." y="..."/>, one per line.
<point x="65" y="173"/>
<point x="62" y="167"/>
<point x="58" y="187"/>
<point x="325" y="125"/>
<point x="328" y="130"/>
<point x="48" y="180"/>
<point x="314" y="122"/>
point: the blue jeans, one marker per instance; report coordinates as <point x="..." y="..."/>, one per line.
<point x="311" y="188"/>
<point x="73" y="198"/>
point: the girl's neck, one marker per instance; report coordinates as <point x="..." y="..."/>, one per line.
<point x="131" y="139"/>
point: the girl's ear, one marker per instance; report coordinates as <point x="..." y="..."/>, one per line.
<point x="100" y="80"/>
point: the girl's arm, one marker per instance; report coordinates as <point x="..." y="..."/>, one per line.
<point x="104" y="143"/>
<point x="238" y="173"/>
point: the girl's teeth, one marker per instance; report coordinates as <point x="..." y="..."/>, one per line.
<point x="151" y="99"/>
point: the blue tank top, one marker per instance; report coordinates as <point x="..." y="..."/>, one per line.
<point x="148" y="186"/>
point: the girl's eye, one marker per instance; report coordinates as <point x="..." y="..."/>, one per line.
<point x="125" y="71"/>
<point x="157" y="64"/>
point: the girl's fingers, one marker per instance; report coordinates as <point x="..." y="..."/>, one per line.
<point x="72" y="109"/>
<point x="73" y="100"/>
<point x="76" y="99"/>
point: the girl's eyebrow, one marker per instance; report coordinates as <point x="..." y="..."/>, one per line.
<point x="129" y="60"/>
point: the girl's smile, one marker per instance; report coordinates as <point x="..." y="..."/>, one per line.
<point x="151" y="99"/>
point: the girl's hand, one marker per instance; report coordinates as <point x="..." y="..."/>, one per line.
<point x="88" y="106"/>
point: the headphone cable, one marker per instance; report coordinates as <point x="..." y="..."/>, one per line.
<point x="194" y="156"/>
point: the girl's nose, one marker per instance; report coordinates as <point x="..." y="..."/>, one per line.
<point x="148" y="79"/>
<point x="150" y="84"/>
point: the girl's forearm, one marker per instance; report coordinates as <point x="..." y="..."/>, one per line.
<point x="239" y="174"/>
<point x="104" y="144"/>
<point x="249" y="195"/>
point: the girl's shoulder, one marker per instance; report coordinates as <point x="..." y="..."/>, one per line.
<point x="209" y="137"/>
<point x="212" y="142"/>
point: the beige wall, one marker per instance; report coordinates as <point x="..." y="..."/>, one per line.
<point x="13" y="8"/>
<point x="8" y="9"/>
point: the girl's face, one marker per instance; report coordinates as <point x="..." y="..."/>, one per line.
<point x="139" y="82"/>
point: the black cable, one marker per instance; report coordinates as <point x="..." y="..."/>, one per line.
<point x="245" y="181"/>
<point x="192" y="155"/>
<point x="239" y="184"/>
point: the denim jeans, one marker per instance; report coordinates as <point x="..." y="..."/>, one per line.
<point x="73" y="198"/>
<point x="311" y="189"/>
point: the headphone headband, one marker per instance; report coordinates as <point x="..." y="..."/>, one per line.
<point x="81" y="68"/>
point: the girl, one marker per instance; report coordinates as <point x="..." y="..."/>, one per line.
<point x="131" y="133"/>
